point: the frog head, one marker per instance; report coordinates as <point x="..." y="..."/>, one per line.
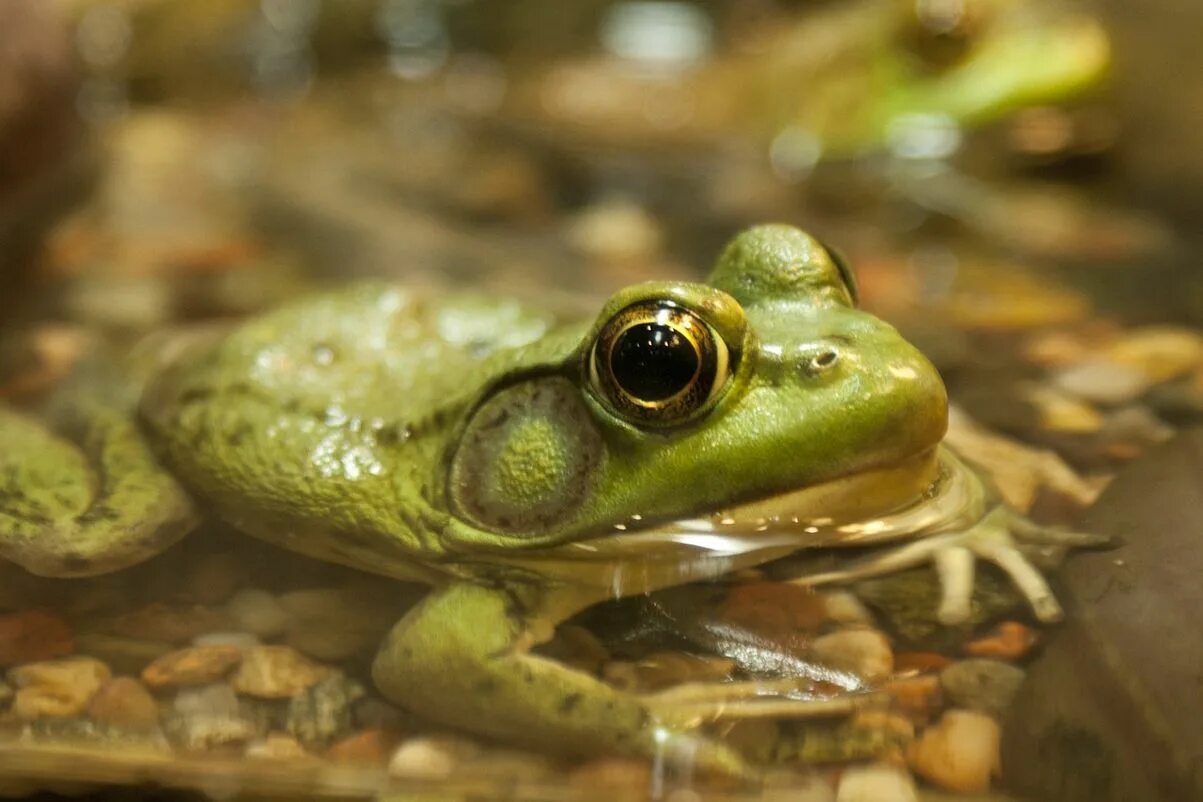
<point x="684" y="399"/>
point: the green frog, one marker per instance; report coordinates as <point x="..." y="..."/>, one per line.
<point x="528" y="469"/>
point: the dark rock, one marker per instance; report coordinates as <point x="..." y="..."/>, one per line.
<point x="1112" y="711"/>
<point x="906" y="605"/>
<point x="323" y="713"/>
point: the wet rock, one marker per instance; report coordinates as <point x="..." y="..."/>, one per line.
<point x="1059" y="412"/>
<point x="323" y="713"/>
<point x="906" y="605"/>
<point x="861" y="738"/>
<point x="864" y="652"/>
<point x="372" y="712"/>
<point x="959" y="753"/>
<point x="56" y="688"/>
<point x="612" y="772"/>
<point x="616" y="231"/>
<point x="276" y="672"/>
<point x="125" y="704"/>
<point x="196" y="665"/>
<point x="431" y="758"/>
<point x="6" y="694"/>
<point x="842" y="607"/>
<point x="919" y="662"/>
<point x="170" y="623"/>
<point x="207" y="717"/>
<point x="369" y="747"/>
<point x="242" y="641"/>
<point x="878" y="783"/>
<point x="1010" y="640"/>
<point x="984" y="685"/>
<point x="1159" y="352"/>
<point x="277" y="746"/>
<point x="1111" y="709"/>
<point x="257" y="612"/>
<point x="1103" y="381"/>
<point x="1134" y="425"/>
<point x="1178" y="402"/>
<point x="918" y="698"/>
<point x="339" y="623"/>
<point x="32" y="636"/>
<point x="124" y="655"/>
<point x="212" y="578"/>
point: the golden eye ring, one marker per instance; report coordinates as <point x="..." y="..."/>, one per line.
<point x="657" y="363"/>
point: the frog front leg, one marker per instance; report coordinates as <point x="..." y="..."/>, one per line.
<point x="462" y="657"/>
<point x="88" y="503"/>
<point x="1001" y="536"/>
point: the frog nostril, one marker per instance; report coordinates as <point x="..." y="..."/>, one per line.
<point x="825" y="359"/>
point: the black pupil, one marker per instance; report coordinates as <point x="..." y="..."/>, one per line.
<point x="652" y="361"/>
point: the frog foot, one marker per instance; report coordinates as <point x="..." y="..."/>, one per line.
<point x="1003" y="537"/>
<point x="696" y="703"/>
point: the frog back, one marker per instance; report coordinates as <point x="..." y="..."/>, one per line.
<point x="320" y="426"/>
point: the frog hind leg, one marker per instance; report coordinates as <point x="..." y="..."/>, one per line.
<point x="89" y="504"/>
<point x="462" y="658"/>
<point x="1003" y="537"/>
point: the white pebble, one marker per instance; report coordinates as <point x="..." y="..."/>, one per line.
<point x="960" y="753"/>
<point x="1102" y="381"/>
<point x="864" y="652"/>
<point x="843" y="607"/>
<point x="218" y="699"/>
<point x="876" y="784"/>
<point x="425" y="758"/>
<point x="257" y="612"/>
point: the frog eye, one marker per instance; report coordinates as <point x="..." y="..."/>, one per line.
<point x="845" y="270"/>
<point x="657" y="363"/>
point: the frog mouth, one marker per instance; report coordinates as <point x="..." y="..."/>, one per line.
<point x="918" y="496"/>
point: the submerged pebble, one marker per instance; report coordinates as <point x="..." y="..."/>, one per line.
<point x="369" y="747"/>
<point x="126" y="704"/>
<point x="196" y="665"/>
<point x="323" y="712"/>
<point x="1103" y="381"/>
<point x="6" y="694"/>
<point x="864" y="652"/>
<point x="159" y="621"/>
<point x="207" y="717"/>
<point x="257" y="612"/>
<point x="1010" y="640"/>
<point x="984" y="685"/>
<point x="33" y="635"/>
<point x="276" y="746"/>
<point x="276" y="672"/>
<point x="959" y="753"/>
<point x="876" y="783"/>
<point x="430" y="758"/>
<point x="124" y="655"/>
<point x="338" y="622"/>
<point x="56" y="688"/>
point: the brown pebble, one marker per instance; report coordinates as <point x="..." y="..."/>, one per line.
<point x="213" y="578"/>
<point x="276" y="672"/>
<point x="1010" y="640"/>
<point x="370" y="747"/>
<point x="919" y="662"/>
<point x="170" y="623"/>
<point x="918" y="698"/>
<point x="33" y="635"/>
<point x="612" y="771"/>
<point x="56" y="688"/>
<point x="123" y="702"/>
<point x="196" y="665"/>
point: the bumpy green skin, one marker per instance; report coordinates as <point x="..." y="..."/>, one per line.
<point x="391" y="432"/>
